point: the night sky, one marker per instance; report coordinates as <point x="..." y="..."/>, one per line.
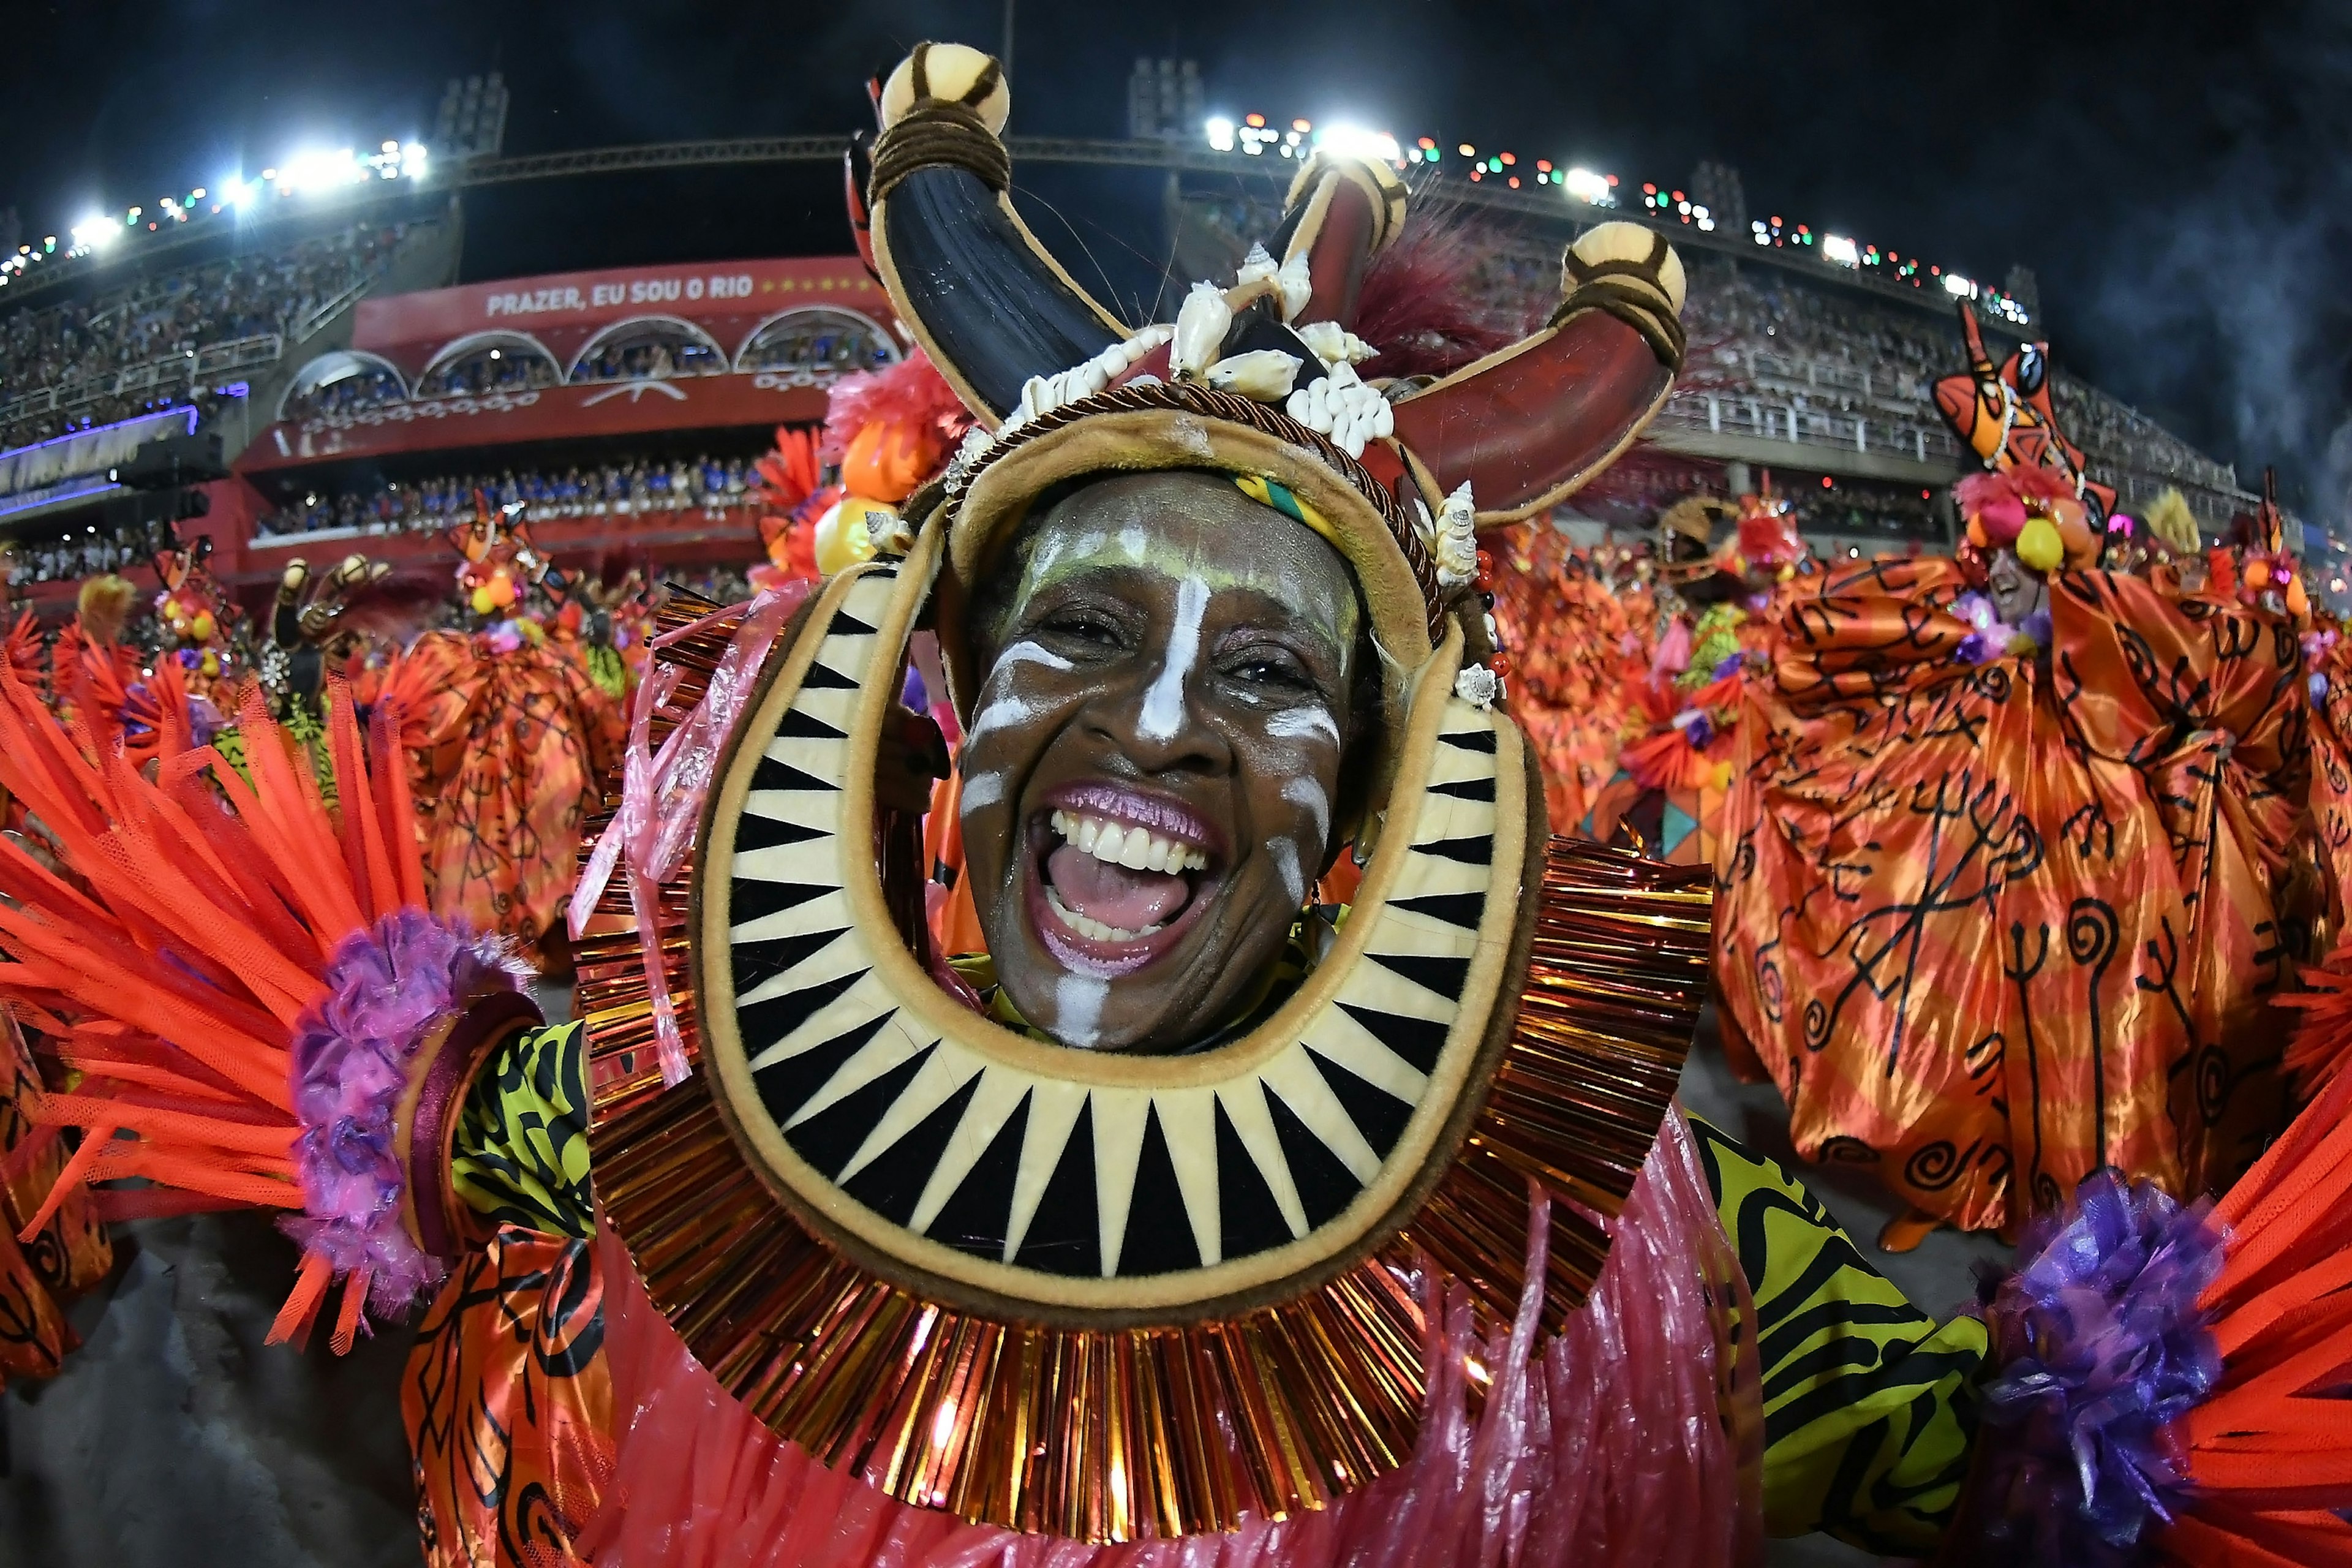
<point x="2179" y="177"/>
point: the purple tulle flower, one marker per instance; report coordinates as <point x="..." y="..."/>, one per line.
<point x="1977" y="648"/>
<point x="1729" y="667"/>
<point x="204" y="720"/>
<point x="2037" y="627"/>
<point x="387" y="987"/>
<point x="1692" y="724"/>
<point x="2102" y="1346"/>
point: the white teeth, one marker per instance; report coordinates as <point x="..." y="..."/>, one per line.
<point x="1136" y="848"/>
<point x="1092" y="929"/>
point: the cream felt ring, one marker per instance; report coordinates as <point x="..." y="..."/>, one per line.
<point x="1034" y="1182"/>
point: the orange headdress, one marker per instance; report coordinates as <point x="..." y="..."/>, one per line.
<point x="2034" y="511"/>
<point x="501" y="564"/>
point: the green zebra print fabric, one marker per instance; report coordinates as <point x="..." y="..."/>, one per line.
<point x="521" y="1147"/>
<point x="1869" y="1404"/>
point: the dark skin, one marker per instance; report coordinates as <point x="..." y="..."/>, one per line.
<point x="1169" y="658"/>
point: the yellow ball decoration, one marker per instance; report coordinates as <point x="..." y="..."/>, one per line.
<point x="844" y="535"/>
<point x="2039" y="546"/>
<point x="203" y="626"/>
<point x="482" y="602"/>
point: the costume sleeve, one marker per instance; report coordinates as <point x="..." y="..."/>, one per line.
<point x="1869" y="1406"/>
<point x="520" y="1154"/>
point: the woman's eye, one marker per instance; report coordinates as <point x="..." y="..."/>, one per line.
<point x="1270" y="668"/>
<point x="1084" y="628"/>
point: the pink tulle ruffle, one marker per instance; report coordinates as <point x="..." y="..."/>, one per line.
<point x="1636" y="1438"/>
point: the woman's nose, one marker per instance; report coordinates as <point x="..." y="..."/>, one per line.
<point x="1156" y="719"/>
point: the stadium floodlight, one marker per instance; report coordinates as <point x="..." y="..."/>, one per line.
<point x="94" y="231"/>
<point x="1959" y="287"/>
<point x="412" y="160"/>
<point x="234" y="190"/>
<point x="316" y="171"/>
<point x="1588" y="187"/>
<point x="1837" y="248"/>
<point x="1221" y="134"/>
<point x="1353" y="142"/>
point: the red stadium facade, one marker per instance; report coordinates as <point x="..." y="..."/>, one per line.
<point x="553" y="368"/>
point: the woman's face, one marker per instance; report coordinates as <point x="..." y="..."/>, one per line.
<point x="2016" y="591"/>
<point x="1153" y="757"/>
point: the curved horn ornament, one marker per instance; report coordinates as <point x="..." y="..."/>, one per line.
<point x="988" y="304"/>
<point x="1526" y="427"/>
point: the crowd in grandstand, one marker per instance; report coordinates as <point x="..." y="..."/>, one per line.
<point x="81" y="349"/>
<point x="24" y="562"/>
<point x="627" y="487"/>
<point x="472" y="376"/>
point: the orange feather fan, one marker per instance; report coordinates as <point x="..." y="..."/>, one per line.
<point x="171" y="973"/>
<point x="2267" y="1460"/>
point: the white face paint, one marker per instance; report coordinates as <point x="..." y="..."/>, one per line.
<point x="1299" y="724"/>
<point x="1308" y="792"/>
<point x="1285" y="861"/>
<point x="1008" y="708"/>
<point x="999" y="707"/>
<point x="1078" y="1007"/>
<point x="1027" y="652"/>
<point x="1163" y="704"/>
<point x="983" y="789"/>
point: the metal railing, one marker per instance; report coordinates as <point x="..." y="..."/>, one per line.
<point x="303" y="330"/>
<point x="183" y="368"/>
<point x="1738" y="414"/>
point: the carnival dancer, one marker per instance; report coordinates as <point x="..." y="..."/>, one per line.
<point x="2000" y="910"/>
<point x="1580" y="653"/>
<point x="1668" y="796"/>
<point x="1180" y="1226"/>
<point x="509" y="736"/>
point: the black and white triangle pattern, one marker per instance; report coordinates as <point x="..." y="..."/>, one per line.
<point x="1060" y="1176"/>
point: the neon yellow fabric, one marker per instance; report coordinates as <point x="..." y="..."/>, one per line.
<point x="520" y="1155"/>
<point x="1869" y="1406"/>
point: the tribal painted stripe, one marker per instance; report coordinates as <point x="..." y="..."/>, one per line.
<point x="1869" y="1406"/>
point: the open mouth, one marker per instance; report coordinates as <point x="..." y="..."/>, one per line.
<point x="1118" y="876"/>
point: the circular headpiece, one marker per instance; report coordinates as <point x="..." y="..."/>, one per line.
<point x="1196" y="1240"/>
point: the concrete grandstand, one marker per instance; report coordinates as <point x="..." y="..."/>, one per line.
<point x="356" y="391"/>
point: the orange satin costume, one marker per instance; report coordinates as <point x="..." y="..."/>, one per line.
<point x="508" y="1404"/>
<point x="1579" y="647"/>
<point x="67" y="1255"/>
<point x="2331" y="778"/>
<point x="1992" y="927"/>
<point x="506" y="750"/>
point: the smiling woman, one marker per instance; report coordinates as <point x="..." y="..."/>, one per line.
<point x="1148" y="781"/>
<point x="1196" y="1223"/>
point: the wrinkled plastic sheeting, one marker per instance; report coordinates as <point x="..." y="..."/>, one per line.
<point x="1634" y="1437"/>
